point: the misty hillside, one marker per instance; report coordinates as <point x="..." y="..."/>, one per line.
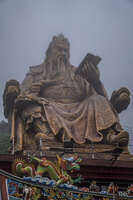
<point x="4" y="137"/>
<point x="3" y="127"/>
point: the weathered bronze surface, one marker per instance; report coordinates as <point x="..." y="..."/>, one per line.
<point x="60" y="103"/>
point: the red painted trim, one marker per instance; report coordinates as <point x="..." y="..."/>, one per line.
<point x="3" y="188"/>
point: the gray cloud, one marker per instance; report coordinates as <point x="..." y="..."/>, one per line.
<point x="2" y="1"/>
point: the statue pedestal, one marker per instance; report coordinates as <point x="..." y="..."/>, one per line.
<point x="49" y="148"/>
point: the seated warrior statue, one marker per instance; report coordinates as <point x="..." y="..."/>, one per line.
<point x="59" y="100"/>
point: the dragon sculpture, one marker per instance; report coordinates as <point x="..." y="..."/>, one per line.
<point x="22" y="168"/>
<point x="57" y="171"/>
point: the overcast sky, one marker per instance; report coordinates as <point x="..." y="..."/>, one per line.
<point x="101" y="27"/>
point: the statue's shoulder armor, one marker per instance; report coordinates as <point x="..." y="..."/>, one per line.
<point x="33" y="73"/>
<point x="37" y="69"/>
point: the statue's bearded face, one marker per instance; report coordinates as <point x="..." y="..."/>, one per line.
<point x="57" y="55"/>
<point x="60" y="53"/>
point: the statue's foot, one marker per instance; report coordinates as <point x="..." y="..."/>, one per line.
<point x="18" y="148"/>
<point x="121" y="138"/>
<point x="43" y="136"/>
<point x="39" y="136"/>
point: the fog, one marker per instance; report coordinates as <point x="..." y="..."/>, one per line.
<point x="100" y="27"/>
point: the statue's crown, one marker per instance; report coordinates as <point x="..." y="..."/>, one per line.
<point x="60" y="40"/>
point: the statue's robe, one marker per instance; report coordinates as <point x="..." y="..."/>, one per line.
<point x="71" y="103"/>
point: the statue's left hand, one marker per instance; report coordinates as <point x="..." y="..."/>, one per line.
<point x="92" y="72"/>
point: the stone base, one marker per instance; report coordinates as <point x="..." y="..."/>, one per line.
<point x="50" y="148"/>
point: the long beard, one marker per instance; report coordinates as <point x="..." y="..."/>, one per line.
<point x="61" y="64"/>
<point x="57" y="66"/>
